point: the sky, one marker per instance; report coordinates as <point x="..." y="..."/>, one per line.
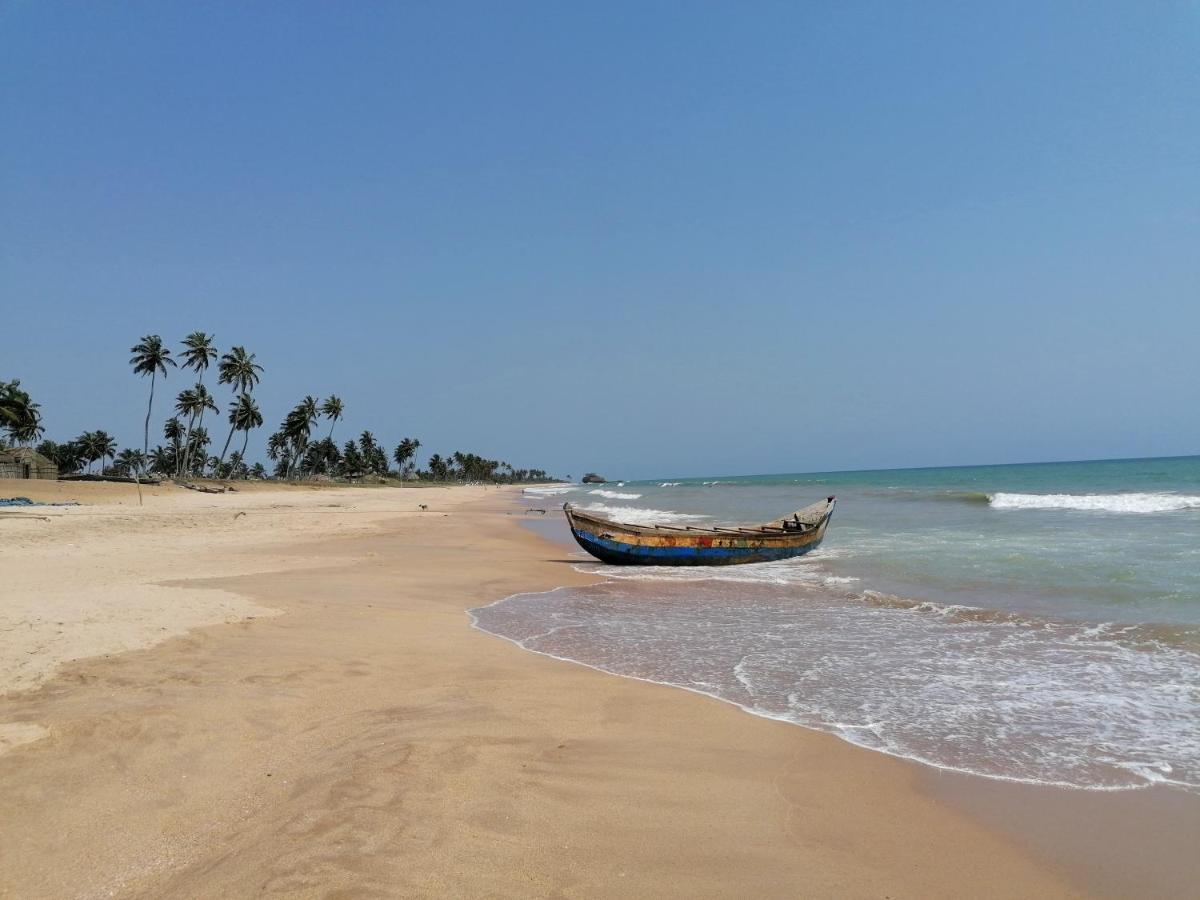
<point x="646" y="239"/>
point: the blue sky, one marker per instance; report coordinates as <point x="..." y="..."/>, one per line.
<point x="647" y="239"/>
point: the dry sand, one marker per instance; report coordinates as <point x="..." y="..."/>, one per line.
<point x="367" y="742"/>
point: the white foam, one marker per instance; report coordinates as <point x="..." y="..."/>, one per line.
<point x="615" y="495"/>
<point x="958" y="694"/>
<point x="789" y="571"/>
<point x="636" y="515"/>
<point x="549" y="490"/>
<point x="670" y="484"/>
<point x="1114" y="503"/>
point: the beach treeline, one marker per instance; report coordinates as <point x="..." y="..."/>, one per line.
<point x="187" y="450"/>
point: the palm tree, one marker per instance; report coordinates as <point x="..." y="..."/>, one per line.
<point x="244" y="416"/>
<point x="438" y="470"/>
<point x="86" y="449"/>
<point x="198" y="354"/>
<point x="298" y="427"/>
<point x="197" y="449"/>
<point x="237" y="466"/>
<point x="65" y="456"/>
<point x="150" y="356"/>
<point x="332" y="409"/>
<point x="192" y="403"/>
<point x="405" y="452"/>
<point x="19" y="414"/>
<point x="249" y="418"/>
<point x="98" y="445"/>
<point x="185" y="405"/>
<point x="162" y="459"/>
<point x="352" y="461"/>
<point x="173" y="432"/>
<point x="238" y="370"/>
<point x="129" y="461"/>
<point x="278" y="453"/>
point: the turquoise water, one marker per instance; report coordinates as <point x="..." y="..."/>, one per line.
<point x="1035" y="622"/>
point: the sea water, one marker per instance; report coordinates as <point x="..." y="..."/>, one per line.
<point x="1031" y="622"/>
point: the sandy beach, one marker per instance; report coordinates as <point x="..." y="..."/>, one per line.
<point x="278" y="691"/>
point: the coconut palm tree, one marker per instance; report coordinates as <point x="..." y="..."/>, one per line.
<point x="97" y="445"/>
<point x="237" y="466"/>
<point x="193" y="402"/>
<point x="197" y="450"/>
<point x="19" y="415"/>
<point x="406" y="451"/>
<point x="238" y="369"/>
<point x="129" y="461"/>
<point x="173" y="431"/>
<point x="162" y="460"/>
<point x="198" y="354"/>
<point x="439" y="467"/>
<point x="82" y="444"/>
<point x="13" y="401"/>
<point x="332" y="409"/>
<point x="65" y="456"/>
<point x="352" y="461"/>
<point x="298" y="428"/>
<point x="244" y="416"/>
<point x="249" y="418"/>
<point x="279" y="452"/>
<point x="150" y="356"/>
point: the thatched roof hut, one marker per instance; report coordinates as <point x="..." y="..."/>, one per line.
<point x="25" y="462"/>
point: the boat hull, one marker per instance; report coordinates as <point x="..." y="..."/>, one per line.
<point x="624" y="544"/>
<point x="620" y="553"/>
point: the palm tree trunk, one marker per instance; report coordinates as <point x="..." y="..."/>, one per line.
<point x="182" y="459"/>
<point x="245" y="444"/>
<point x="149" y="406"/>
<point x="199" y="424"/>
<point x="298" y="457"/>
<point x="226" y="449"/>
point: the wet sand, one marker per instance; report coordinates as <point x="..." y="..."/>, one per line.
<point x="363" y="740"/>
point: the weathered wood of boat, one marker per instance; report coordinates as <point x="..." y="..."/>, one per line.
<point x="626" y="544"/>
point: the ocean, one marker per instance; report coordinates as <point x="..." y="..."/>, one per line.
<point x="1038" y="623"/>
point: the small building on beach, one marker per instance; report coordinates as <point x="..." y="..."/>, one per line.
<point x="25" y="462"/>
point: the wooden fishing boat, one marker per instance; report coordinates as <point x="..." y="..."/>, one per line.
<point x="625" y="544"/>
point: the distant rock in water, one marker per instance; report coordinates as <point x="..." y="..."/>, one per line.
<point x="593" y="478"/>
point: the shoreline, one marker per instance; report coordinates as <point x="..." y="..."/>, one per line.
<point x="1109" y="842"/>
<point x="371" y="738"/>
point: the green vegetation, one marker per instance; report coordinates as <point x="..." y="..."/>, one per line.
<point x="20" y="417"/>
<point x="185" y="451"/>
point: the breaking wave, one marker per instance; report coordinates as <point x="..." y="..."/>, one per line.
<point x="548" y="490"/>
<point x="615" y="495"/>
<point x="635" y="515"/>
<point x="1113" y="503"/>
